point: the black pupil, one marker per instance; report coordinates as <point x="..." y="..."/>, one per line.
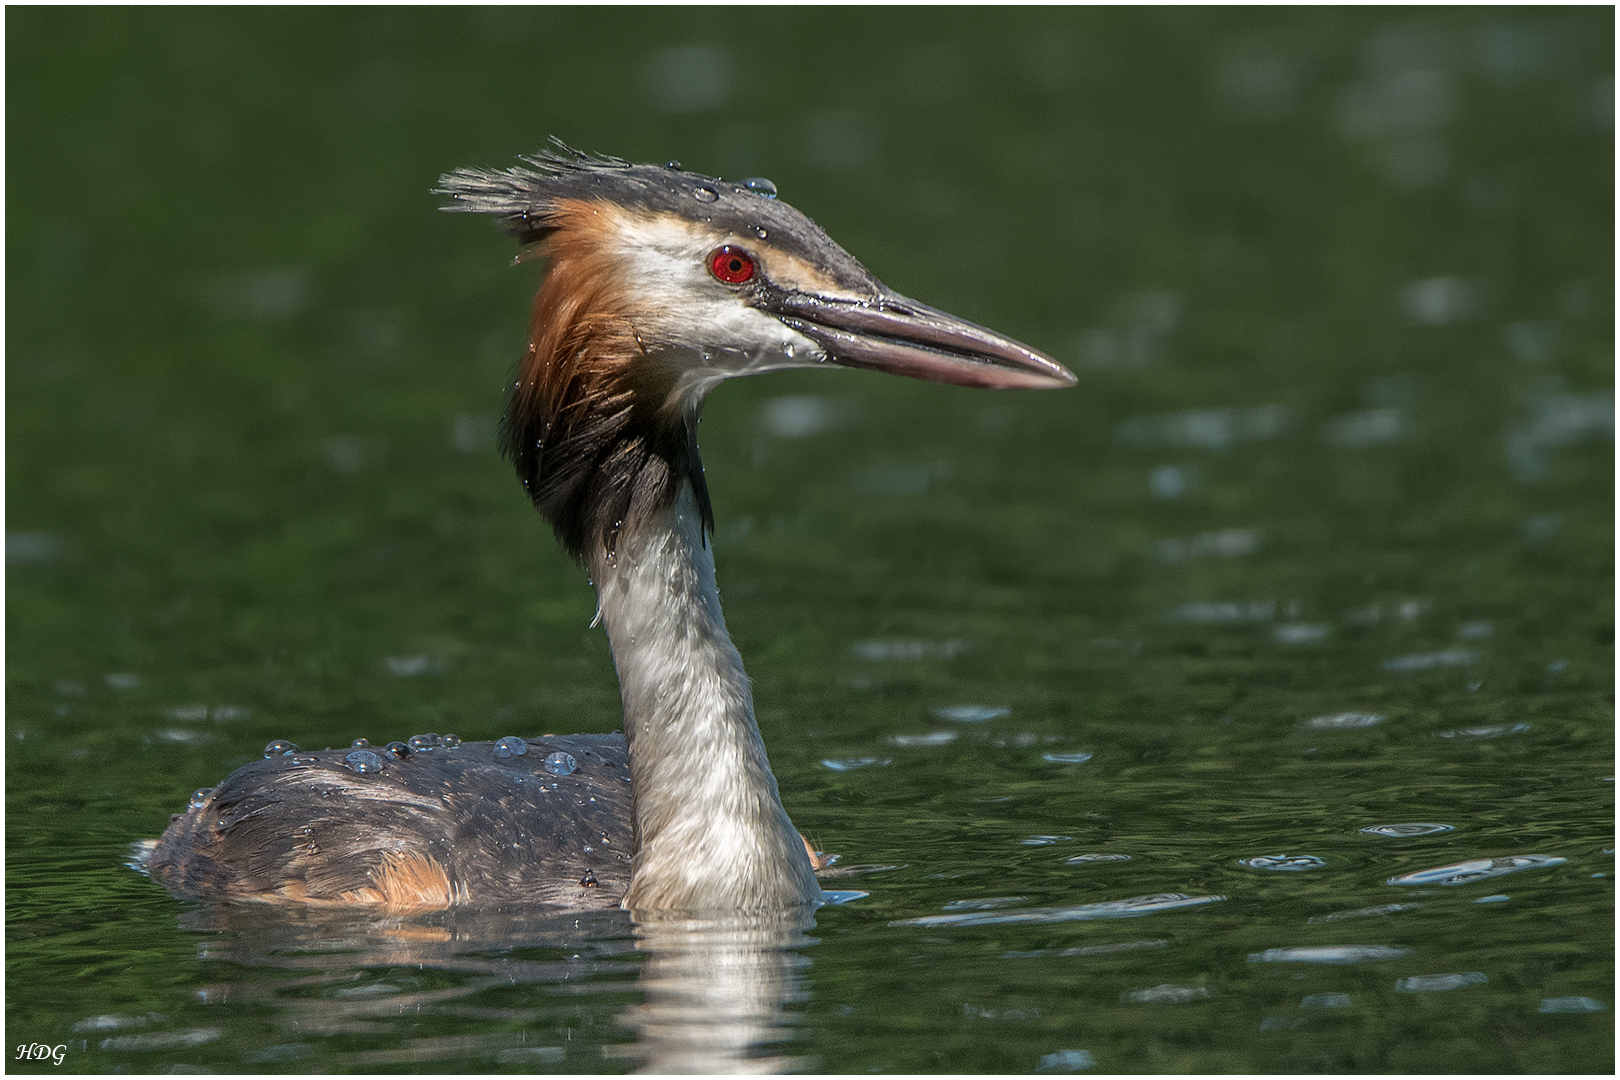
<point x="736" y="265"/>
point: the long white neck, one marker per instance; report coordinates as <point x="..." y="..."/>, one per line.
<point x="711" y="833"/>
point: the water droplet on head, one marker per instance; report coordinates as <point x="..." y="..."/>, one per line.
<point x="675" y="165"/>
<point x="280" y="748"/>
<point x="449" y="742"/>
<point x="759" y="231"/>
<point x="364" y="761"/>
<point x="397" y="749"/>
<point x="761" y="186"/>
<point x="430" y="741"/>
<point x="511" y="746"/>
<point x="200" y="796"/>
<point x="704" y="194"/>
<point x="559" y="764"/>
<point x="360" y="744"/>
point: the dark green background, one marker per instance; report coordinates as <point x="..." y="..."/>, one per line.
<point x="252" y="377"/>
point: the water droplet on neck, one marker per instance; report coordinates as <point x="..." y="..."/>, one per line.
<point x="760" y="185"/>
<point x="704" y="194"/>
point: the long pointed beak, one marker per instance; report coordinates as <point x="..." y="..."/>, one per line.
<point x="903" y="337"/>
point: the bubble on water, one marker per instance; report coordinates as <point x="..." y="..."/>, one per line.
<point x="449" y="742"/>
<point x="1571" y="1005"/>
<point x="1325" y="1001"/>
<point x="846" y="764"/>
<point x="760" y="185"/>
<point x="1466" y="873"/>
<point x="360" y="744"/>
<point x="1344" y="721"/>
<point x="510" y="746"/>
<point x="1330" y="954"/>
<point x="1415" y="828"/>
<point x="397" y="749"/>
<point x="1430" y="984"/>
<point x="1134" y="907"/>
<point x="1042" y="841"/>
<point x="842" y="896"/>
<point x="200" y="796"/>
<point x="280" y="748"/>
<point x="1079" y="758"/>
<point x="429" y="741"/>
<point x="364" y="761"/>
<point x="705" y="194"/>
<point x="1097" y="857"/>
<point x="1494" y="898"/>
<point x="559" y="764"/>
<point x="1283" y="862"/>
<point x="971" y="714"/>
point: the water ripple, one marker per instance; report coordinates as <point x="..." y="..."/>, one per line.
<point x="1111" y="909"/>
<point x="1344" y="721"/>
<point x="1428" y="984"/>
<point x="1362" y="913"/>
<point x="1283" y="862"/>
<point x="1330" y="954"/>
<point x="1465" y="873"/>
<point x="1407" y="829"/>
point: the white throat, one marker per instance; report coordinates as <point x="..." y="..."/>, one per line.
<point x="710" y="830"/>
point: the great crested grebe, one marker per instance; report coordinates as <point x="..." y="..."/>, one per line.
<point x="661" y="283"/>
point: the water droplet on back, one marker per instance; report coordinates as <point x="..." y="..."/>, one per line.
<point x="704" y="194"/>
<point x="510" y="746"/>
<point x="449" y="742"/>
<point x="280" y="748"/>
<point x="397" y="749"/>
<point x="430" y="741"/>
<point x="360" y="744"/>
<point x="760" y="185"/>
<point x="364" y="761"/>
<point x="200" y="796"/>
<point x="559" y="764"/>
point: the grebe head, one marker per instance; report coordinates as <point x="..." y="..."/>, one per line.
<point x="661" y="284"/>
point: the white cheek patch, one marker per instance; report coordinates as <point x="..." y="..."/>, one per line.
<point x="678" y="304"/>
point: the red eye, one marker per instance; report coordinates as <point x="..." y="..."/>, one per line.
<point x="731" y="265"/>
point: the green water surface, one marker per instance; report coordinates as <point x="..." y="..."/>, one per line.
<point x="1321" y="543"/>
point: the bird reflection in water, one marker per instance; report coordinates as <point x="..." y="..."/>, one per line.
<point x="715" y="994"/>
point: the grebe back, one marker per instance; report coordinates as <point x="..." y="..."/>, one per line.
<point x="661" y="283"/>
